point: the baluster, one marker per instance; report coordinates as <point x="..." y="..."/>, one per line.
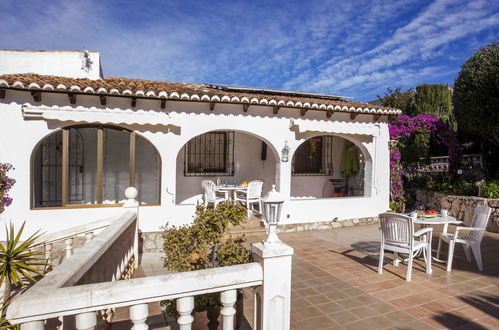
<point x="33" y="325"/>
<point x="89" y="236"/>
<point x="69" y="247"/>
<point x="184" y="307"/>
<point x="86" y="321"/>
<point x="48" y="254"/>
<point x="138" y="315"/>
<point x="228" y="299"/>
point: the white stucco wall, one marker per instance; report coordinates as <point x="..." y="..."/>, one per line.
<point x="189" y="119"/>
<point x="56" y="63"/>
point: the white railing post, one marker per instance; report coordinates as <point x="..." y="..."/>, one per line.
<point x="48" y="254"/>
<point x="275" y="293"/>
<point x="33" y="325"/>
<point x="69" y="247"/>
<point x="89" y="236"/>
<point x="138" y="315"/>
<point x="131" y="202"/>
<point x="86" y="321"/>
<point x="228" y="299"/>
<point x="184" y="307"/>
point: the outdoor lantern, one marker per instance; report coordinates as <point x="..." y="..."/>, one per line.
<point x="272" y="204"/>
<point x="285" y="152"/>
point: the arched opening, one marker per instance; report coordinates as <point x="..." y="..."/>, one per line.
<point x="93" y="165"/>
<point x="226" y="158"/>
<point x="328" y="166"/>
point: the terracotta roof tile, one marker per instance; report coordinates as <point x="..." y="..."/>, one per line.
<point x="202" y="91"/>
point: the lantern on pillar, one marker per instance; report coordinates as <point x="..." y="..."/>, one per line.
<point x="272" y="205"/>
<point x="285" y="152"/>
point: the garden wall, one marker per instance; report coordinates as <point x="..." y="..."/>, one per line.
<point x="461" y="207"/>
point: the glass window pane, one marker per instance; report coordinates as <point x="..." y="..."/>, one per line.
<point x="47" y="172"/>
<point x="147" y="173"/>
<point x="116" y="177"/>
<point x="82" y="168"/>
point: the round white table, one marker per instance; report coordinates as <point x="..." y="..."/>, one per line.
<point x="231" y="189"/>
<point x="438" y="220"/>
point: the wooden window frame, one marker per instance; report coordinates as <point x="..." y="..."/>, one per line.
<point x="100" y="166"/>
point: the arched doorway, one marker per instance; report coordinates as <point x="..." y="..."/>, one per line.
<point x="328" y="166"/>
<point x="223" y="155"/>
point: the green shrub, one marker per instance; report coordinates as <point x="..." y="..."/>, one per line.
<point x="204" y="245"/>
<point x="490" y="189"/>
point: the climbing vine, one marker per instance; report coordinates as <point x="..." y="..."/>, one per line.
<point x="400" y="130"/>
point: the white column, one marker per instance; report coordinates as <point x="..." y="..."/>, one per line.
<point x="86" y="321"/>
<point x="131" y="202"/>
<point x="69" y="247"/>
<point x="33" y="325"/>
<point x="228" y="299"/>
<point x="184" y="307"/>
<point x="48" y="254"/>
<point x="138" y="315"/>
<point x="275" y="294"/>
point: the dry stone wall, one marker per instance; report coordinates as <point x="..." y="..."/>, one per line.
<point x="461" y="207"/>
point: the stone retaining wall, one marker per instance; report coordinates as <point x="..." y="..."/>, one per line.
<point x="461" y="207"/>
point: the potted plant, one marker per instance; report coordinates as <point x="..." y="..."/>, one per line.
<point x="205" y="244"/>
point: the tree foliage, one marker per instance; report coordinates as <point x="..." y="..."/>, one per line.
<point x="435" y="100"/>
<point x="396" y="98"/>
<point x="476" y="102"/>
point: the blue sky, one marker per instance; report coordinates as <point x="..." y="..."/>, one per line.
<point x="353" y="48"/>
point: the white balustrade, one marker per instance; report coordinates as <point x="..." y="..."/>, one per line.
<point x="57" y="293"/>
<point x="138" y="315"/>
<point x="48" y="254"/>
<point x="184" y="308"/>
<point x="86" y="321"/>
<point x="228" y="299"/>
<point x="69" y="247"/>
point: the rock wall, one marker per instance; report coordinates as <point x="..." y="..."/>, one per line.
<point x="461" y="207"/>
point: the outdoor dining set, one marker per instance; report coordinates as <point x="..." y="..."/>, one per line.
<point x="247" y="193"/>
<point x="398" y="236"/>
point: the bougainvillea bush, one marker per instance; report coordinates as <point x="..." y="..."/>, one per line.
<point x="6" y="184"/>
<point x="400" y="130"/>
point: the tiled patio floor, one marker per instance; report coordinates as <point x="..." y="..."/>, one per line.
<point x="335" y="285"/>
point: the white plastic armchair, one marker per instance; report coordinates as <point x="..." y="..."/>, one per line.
<point x="398" y="236"/>
<point x="210" y="193"/>
<point x="250" y="195"/>
<point x="472" y="240"/>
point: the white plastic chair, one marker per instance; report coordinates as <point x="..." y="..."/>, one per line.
<point x="210" y="193"/>
<point x="472" y="240"/>
<point x="251" y="195"/>
<point x="398" y="236"/>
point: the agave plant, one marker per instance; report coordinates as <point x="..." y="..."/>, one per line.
<point x="17" y="260"/>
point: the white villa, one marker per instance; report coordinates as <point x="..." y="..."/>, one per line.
<point x="77" y="139"/>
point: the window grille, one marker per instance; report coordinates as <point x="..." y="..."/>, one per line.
<point x="210" y="154"/>
<point x="314" y="157"/>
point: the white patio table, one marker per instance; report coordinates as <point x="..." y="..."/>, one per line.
<point x="231" y="189"/>
<point x="438" y="220"/>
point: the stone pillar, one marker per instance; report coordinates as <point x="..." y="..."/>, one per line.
<point x="274" y="296"/>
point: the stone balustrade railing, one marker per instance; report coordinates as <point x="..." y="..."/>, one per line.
<point x="68" y="236"/>
<point x="85" y="289"/>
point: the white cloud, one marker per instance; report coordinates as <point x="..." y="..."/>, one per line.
<point x="323" y="46"/>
